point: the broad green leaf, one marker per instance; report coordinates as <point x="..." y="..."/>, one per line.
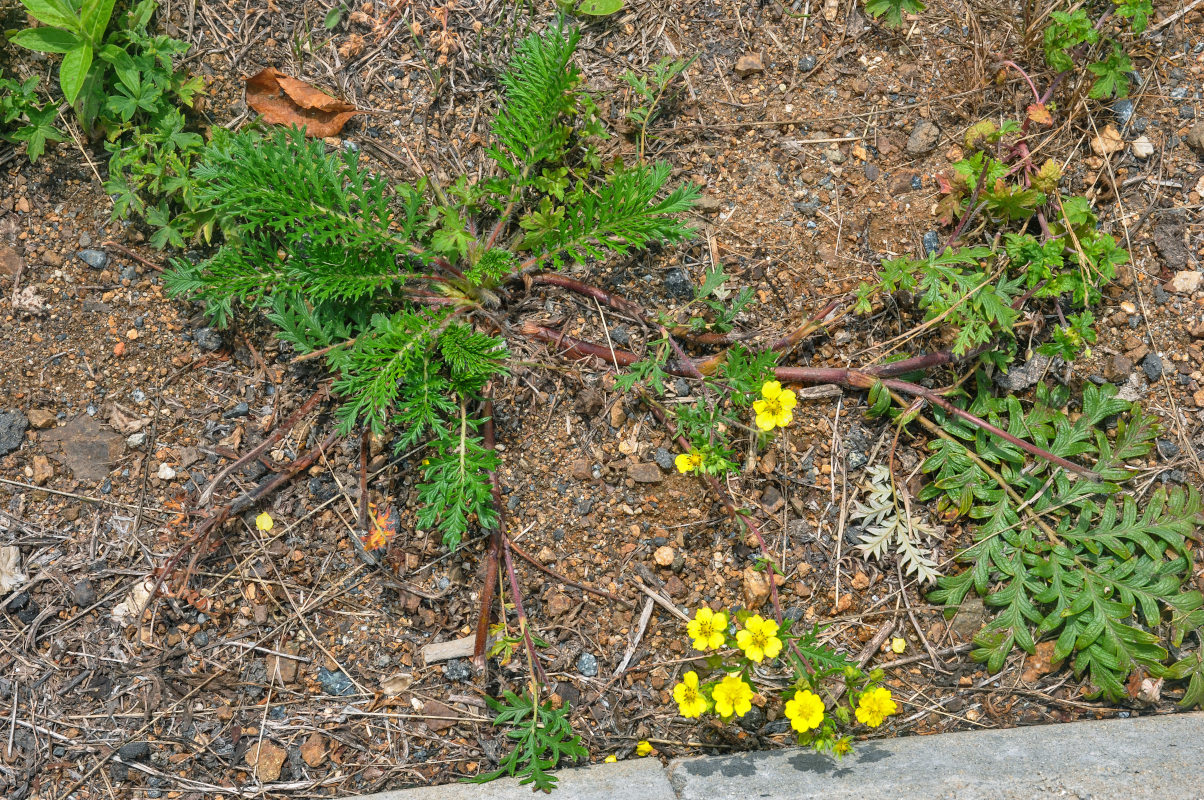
<point x="599" y="8"/>
<point x="74" y="69"/>
<point x="46" y="40"/>
<point x="95" y="15"/>
<point x="53" y="12"/>
<point x="333" y="17"/>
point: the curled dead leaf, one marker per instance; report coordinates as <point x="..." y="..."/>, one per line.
<point x="282" y="100"/>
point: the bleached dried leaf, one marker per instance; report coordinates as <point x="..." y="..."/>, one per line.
<point x="886" y="525"/>
<point x="11" y="575"/>
<point x="129" y="610"/>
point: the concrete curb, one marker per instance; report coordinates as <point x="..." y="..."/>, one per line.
<point x="1148" y="758"/>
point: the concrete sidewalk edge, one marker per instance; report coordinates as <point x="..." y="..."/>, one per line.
<point x="1146" y="758"/>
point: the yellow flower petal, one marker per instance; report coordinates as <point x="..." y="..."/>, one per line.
<point x="783" y="418"/>
<point x="765" y="422"/>
<point x="771" y="390"/>
<point x="644" y="748"/>
<point x="264" y="522"/>
<point x="683" y="463"/>
<point x="787" y="399"/>
<point x="612" y="758"/>
<point x="759" y="406"/>
<point x="898" y="644"/>
<point x="805" y="711"/>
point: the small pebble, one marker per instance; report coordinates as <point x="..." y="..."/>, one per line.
<point x="207" y="339"/>
<point x="587" y="665"/>
<point x="96" y="259"/>
<point x="457" y="670"/>
<point x="663" y="458"/>
<point x="1152" y="366"/>
<point x="166" y="473"/>
<point x="240" y="410"/>
<point x="335" y="683"/>
<point x="932" y="242"/>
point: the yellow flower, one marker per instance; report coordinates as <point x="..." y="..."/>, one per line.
<point x="842" y="747"/>
<point x="759" y="638"/>
<point x="898" y="644"/>
<point x="875" y="706"/>
<point x="805" y="711"/>
<point x="644" y="749"/>
<point x="732" y="695"/>
<point x="264" y="522"/>
<point x="689" y="462"/>
<point x="690" y="701"/>
<point x="611" y="759"/>
<point x="706" y="629"/>
<point x="775" y="409"/>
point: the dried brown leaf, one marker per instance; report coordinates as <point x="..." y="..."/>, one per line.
<point x="282" y="100"/>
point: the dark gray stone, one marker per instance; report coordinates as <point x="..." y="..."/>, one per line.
<point x="1123" y="111"/>
<point x="679" y="285"/>
<point x="240" y="410"/>
<point x="83" y="594"/>
<point x="807" y="63"/>
<point x="1152" y="366"/>
<point x="1166" y="448"/>
<point x="134" y="751"/>
<point x="13" y="425"/>
<point x="96" y="259"/>
<point x="335" y="683"/>
<point x="207" y="339"/>
<point x="663" y="458"/>
<point x="932" y="242"/>
<point x="457" y="670"/>
<point x="587" y="665"/>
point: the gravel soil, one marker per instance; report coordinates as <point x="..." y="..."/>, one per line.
<point x="289" y="665"/>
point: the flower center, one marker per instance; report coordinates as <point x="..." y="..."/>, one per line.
<point x="707" y="629"/>
<point x="691" y="694"/>
<point x="760" y="639"/>
<point x="773" y="406"/>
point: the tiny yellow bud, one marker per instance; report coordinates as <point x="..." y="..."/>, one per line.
<point x="264" y="522"/>
<point x="644" y="748"/>
<point x="612" y="758"/>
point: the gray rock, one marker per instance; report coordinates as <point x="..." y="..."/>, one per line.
<point x="457" y="670"/>
<point x="1166" y="448"/>
<point x="678" y="284"/>
<point x="200" y="639"/>
<point x="134" y="751"/>
<point x="83" y="593"/>
<point x="583" y="506"/>
<point x="240" y="410"/>
<point x="207" y="339"/>
<point x="96" y="259"/>
<point x="1152" y="366"/>
<point x="924" y="138"/>
<point x="335" y="683"/>
<point x="807" y="63"/>
<point x="621" y="336"/>
<point x="663" y="458"/>
<point x="587" y="665"/>
<point x="1122" y="110"/>
<point x="932" y="242"/>
<point x="1019" y="378"/>
<point x="13" y="425"/>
